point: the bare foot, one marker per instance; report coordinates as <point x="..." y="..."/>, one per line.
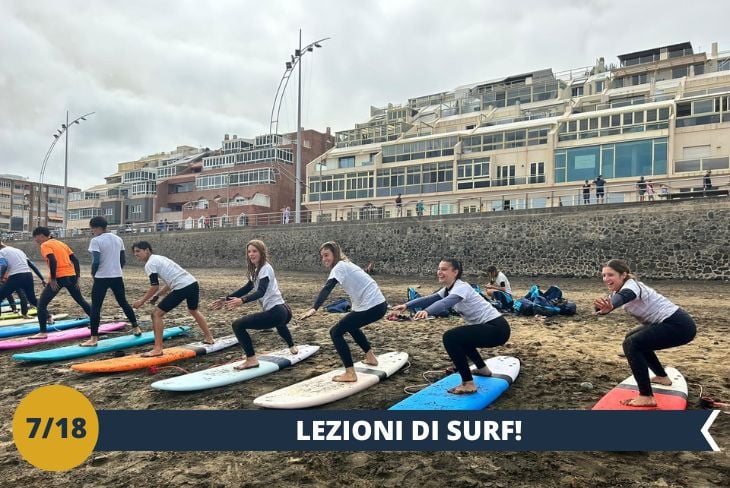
<point x="639" y="401"/>
<point x="41" y="335"/>
<point x="661" y="380"/>
<point x="89" y="343"/>
<point x="209" y="340"/>
<point x="345" y="377"/>
<point x="482" y="371"/>
<point x="294" y="350"/>
<point x="151" y="354"/>
<point x="27" y="317"/>
<point x="247" y="364"/>
<point x="370" y="358"/>
<point x="463" y="390"/>
<point x="136" y="331"/>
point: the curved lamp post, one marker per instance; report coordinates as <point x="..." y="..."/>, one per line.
<point x="59" y="132"/>
<point x="274" y="124"/>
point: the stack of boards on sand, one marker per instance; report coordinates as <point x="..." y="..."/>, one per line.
<point x="5" y="303"/>
<point x="505" y="370"/>
<point x="104" y="345"/>
<point x="169" y="355"/>
<point x="321" y="389"/>
<point x="33" y="327"/>
<point x="227" y="374"/>
<point x="59" y="336"/>
<point x="34" y="320"/>
<point x="673" y="397"/>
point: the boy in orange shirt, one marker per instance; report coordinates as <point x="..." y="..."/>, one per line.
<point x="65" y="271"/>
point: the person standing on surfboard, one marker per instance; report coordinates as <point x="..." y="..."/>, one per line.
<point x="663" y="325"/>
<point x="107" y="261"/>
<point x="65" y="272"/>
<point x="15" y="276"/>
<point x="368" y="306"/>
<point x="179" y="285"/>
<point x="275" y="312"/>
<point x="485" y="326"/>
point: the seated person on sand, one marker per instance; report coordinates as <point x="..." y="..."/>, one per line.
<point x="485" y="326"/>
<point x="497" y="282"/>
<point x="368" y="306"/>
<point x="275" y="313"/>
<point x="179" y="285"/>
<point x="663" y="325"/>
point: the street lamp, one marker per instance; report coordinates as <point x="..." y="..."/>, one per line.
<point x="274" y="125"/>
<point x="59" y="132"/>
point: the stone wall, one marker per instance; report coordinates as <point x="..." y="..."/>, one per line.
<point x="660" y="240"/>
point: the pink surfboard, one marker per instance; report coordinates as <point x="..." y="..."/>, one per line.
<point x="60" y="336"/>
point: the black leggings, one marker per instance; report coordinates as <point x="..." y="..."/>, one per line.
<point x="98" y="293"/>
<point x="352" y="322"/>
<point x="277" y="316"/>
<point x="461" y="343"/>
<point x="22" y="284"/>
<point x="71" y="284"/>
<point x="640" y="344"/>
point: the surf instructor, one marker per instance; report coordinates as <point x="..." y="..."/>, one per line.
<point x="179" y="285"/>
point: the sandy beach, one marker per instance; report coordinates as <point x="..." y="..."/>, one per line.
<point x="557" y="355"/>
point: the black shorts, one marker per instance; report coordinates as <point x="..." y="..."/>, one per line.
<point x="191" y="293"/>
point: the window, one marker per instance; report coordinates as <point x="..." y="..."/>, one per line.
<point x="576" y="91"/>
<point x="537" y="173"/>
<point x="599" y="86"/>
<point x="136" y="209"/>
<point x="346" y="162"/>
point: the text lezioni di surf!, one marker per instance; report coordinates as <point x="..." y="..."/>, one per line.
<point x="417" y="430"/>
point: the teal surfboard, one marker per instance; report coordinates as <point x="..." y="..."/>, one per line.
<point x="105" y="345"/>
<point x="436" y="397"/>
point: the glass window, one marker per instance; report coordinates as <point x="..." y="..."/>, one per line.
<point x="583" y="163"/>
<point x="633" y="158"/>
<point x="347" y="162"/>
<point x="703" y="106"/>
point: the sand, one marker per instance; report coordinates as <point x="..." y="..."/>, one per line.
<point x="557" y="355"/>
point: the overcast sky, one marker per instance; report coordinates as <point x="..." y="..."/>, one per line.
<point x="159" y="74"/>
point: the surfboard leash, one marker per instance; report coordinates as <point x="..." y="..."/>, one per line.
<point x="709" y="402"/>
<point x="157" y="369"/>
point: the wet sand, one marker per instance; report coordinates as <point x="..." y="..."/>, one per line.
<point x="557" y="355"/>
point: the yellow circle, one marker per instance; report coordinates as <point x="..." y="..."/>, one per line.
<point x="55" y="428"/>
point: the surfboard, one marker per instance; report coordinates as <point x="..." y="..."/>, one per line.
<point x="169" y="355"/>
<point x="58" y="336"/>
<point x="227" y="374"/>
<point x="5" y="303"/>
<point x="672" y="397"/>
<point x="105" y="345"/>
<point x="321" y="389"/>
<point x="33" y="327"/>
<point x="34" y="320"/>
<point x="17" y="315"/>
<point x="505" y="370"/>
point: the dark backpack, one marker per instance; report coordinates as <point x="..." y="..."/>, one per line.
<point x="523" y="306"/>
<point x="504" y="300"/>
<point x="553" y="294"/>
<point x="338" y="306"/>
<point x="541" y="306"/>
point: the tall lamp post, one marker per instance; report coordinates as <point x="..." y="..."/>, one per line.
<point x="274" y="126"/>
<point x="59" y="132"/>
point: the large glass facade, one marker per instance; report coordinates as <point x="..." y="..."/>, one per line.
<point x="621" y="160"/>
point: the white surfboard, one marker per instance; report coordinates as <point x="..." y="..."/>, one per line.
<point x="33" y="320"/>
<point x="321" y="389"/>
<point x="227" y="374"/>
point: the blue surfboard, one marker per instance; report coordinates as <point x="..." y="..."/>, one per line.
<point x="33" y="328"/>
<point x="505" y="370"/>
<point x="5" y="303"/>
<point x="105" y="345"/>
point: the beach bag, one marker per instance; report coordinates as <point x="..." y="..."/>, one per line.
<point x="567" y="308"/>
<point x="338" y="306"/>
<point x="553" y="294"/>
<point x="523" y="306"/>
<point x="541" y="306"/>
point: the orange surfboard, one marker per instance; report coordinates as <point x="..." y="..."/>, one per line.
<point x="169" y="355"/>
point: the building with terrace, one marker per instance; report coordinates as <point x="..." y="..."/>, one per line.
<point x="533" y="139"/>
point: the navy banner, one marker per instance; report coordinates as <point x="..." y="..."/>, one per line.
<point x="363" y="430"/>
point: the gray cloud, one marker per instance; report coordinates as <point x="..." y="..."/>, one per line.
<point x="164" y="73"/>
